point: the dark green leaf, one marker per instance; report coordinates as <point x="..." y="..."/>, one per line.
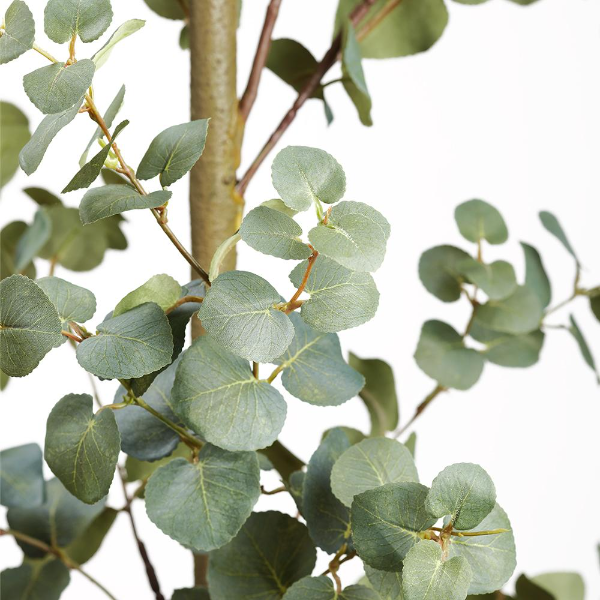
<point x="477" y="220"/>
<point x="89" y="19"/>
<point x="42" y="197"/>
<point x="9" y="238"/>
<point x="196" y="593"/>
<point x="550" y="222"/>
<point x="73" y="303"/>
<point x="19" y="32"/>
<point x="21" y="477"/>
<point x="353" y="75"/>
<point x="583" y="346"/>
<point x="14" y="134"/>
<point x="296" y="487"/>
<point x="166" y="8"/>
<point x="563" y="586"/>
<point x="31" y="242"/>
<point x="595" y="304"/>
<point x="528" y="590"/>
<point x="33" y="580"/>
<point x="535" y="275"/>
<point x="440" y="273"/>
<point x="88" y="543"/>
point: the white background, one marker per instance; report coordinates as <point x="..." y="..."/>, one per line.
<point x="505" y="108"/>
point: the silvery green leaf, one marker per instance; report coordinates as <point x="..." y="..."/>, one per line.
<point x="19" y="32"/>
<point x="108" y="200"/>
<point x="215" y="497"/>
<point x="273" y="232"/>
<point x="239" y="312"/>
<point x="133" y="344"/>
<point x="90" y="171"/>
<point x="497" y="280"/>
<point x="305" y="175"/>
<point x="217" y="396"/>
<point x="535" y="275"/>
<point x="72" y="302"/>
<point x="9" y="238"/>
<point x="563" y="586"/>
<point x="354" y="76"/>
<point x="123" y="31"/>
<point x="321" y="588"/>
<point x="463" y="491"/>
<point x="14" y="134"/>
<point x="143" y="436"/>
<point x="439" y="271"/>
<point x="492" y="557"/>
<point x="371" y="464"/>
<point x="386" y="522"/>
<point x="586" y="353"/>
<point x="427" y="575"/>
<point x="42" y="197"/>
<point x="174" y="151"/>
<point x="327" y="518"/>
<point x="82" y="448"/>
<point x="58" y="521"/>
<point x="46" y="580"/>
<point x="339" y="298"/>
<point x="109" y="116"/>
<point x="160" y="289"/>
<point x="268" y="555"/>
<point x="441" y="354"/>
<point x="314" y="369"/>
<point x="29" y="326"/>
<point x="59" y="86"/>
<point x="477" y="220"/>
<point x="378" y="394"/>
<point x="387" y="584"/>
<point x="551" y="224"/>
<point x="355" y="236"/>
<point x="520" y="313"/>
<point x="88" y="19"/>
<point x="33" y="152"/>
<point x="21" y="476"/>
<point x="32" y="240"/>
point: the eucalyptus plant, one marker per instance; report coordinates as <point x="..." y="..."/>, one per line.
<point x="198" y="422"/>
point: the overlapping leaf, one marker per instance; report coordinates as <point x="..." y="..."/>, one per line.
<point x="72" y="302"/>
<point x="353" y="75"/>
<point x="321" y="588"/>
<point x="35" y="579"/>
<point x="160" y="289"/>
<point x="21" y="477"/>
<point x="9" y="238"/>
<point x="535" y="275"/>
<point x="440" y="272"/>
<point x="497" y="279"/>
<point x="14" y="134"/>
<point x="31" y="242"/>
<point x="386" y="583"/>
<point x="19" y="32"/>
<point x="88" y="19"/>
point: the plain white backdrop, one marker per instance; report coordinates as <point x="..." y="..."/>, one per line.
<point x="505" y="107"/>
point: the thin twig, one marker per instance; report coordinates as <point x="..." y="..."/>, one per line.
<point x="424" y="404"/>
<point x="184" y="300"/>
<point x="294" y="303"/>
<point x="278" y="490"/>
<point x="260" y="60"/>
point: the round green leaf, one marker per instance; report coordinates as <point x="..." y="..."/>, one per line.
<point x="387" y="584"/>
<point x="440" y="273"/>
<point x="305" y="175"/>
<point x="273" y="232"/>
<point x="535" y="275"/>
<point x="82" y="448"/>
<point x="21" y="477"/>
<point x="269" y="554"/>
<point x="442" y="355"/>
<point x="29" y="326"/>
<point x="59" y="86"/>
<point x="427" y="575"/>
<point x="133" y="344"/>
<point x="370" y="464"/>
<point x="497" y="280"/>
<point x="88" y="19"/>
<point x="218" y="397"/>
<point x="314" y="369"/>
<point x="463" y="491"/>
<point x="14" y="134"/>
<point x="160" y="289"/>
<point x="339" y="298"/>
<point x="492" y="557"/>
<point x="72" y="302"/>
<point x="477" y="220"/>
<point x="239" y="312"/>
<point x="19" y="32"/>
<point x="355" y="236"/>
<point x="521" y="312"/>
<point x="46" y="580"/>
<point x="386" y="522"/>
<point x="215" y="497"/>
<point x="563" y="586"/>
<point x="321" y="588"/>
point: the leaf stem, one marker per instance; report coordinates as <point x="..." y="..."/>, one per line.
<point x="72" y="336"/>
<point x="184" y="300"/>
<point x="294" y="303"/>
<point x="456" y="533"/>
<point x="44" y="53"/>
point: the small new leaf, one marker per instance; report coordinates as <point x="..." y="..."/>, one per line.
<point x="160" y="289"/>
<point x="123" y="31"/>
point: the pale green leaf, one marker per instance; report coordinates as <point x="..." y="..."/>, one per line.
<point x="88" y="19"/>
<point x="563" y="586"/>
<point x="355" y="236"/>
<point x="441" y="354"/>
<point x="339" y="298"/>
<point x="85" y="546"/>
<point x="21" y="476"/>
<point x="314" y="369"/>
<point x="411" y="443"/>
<point x="492" y="557"/>
<point x="370" y="464"/>
<point x="133" y="344"/>
<point x="59" y="86"/>
<point x="14" y="134"/>
<point x="477" y="220"/>
<point x="268" y="555"/>
<point x="439" y="271"/>
<point x="305" y="175"/>
<point x="215" y="497"/>
<point x="387" y="584"/>
<point x="160" y="289"/>
<point x="82" y="448"/>
<point x="33" y="152"/>
<point x="584" y="348"/>
<point x="378" y="394"/>
<point x="218" y="397"/>
<point x="521" y="312"/>
<point x="174" y="152"/>
<point x="35" y="580"/>
<point x="353" y="75"/>
<point x="31" y="242"/>
<point x="535" y="275"/>
<point x="123" y="31"/>
<point x="497" y="280"/>
<point x="239" y="312"/>
<point x="72" y="302"/>
<point x="224" y="248"/>
<point x="321" y="588"/>
<point x="29" y="326"/>
<point x="42" y="197"/>
<point x="279" y="205"/>
<point x="427" y="575"/>
<point x="273" y="232"/>
<point x="550" y="222"/>
<point x="19" y="32"/>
